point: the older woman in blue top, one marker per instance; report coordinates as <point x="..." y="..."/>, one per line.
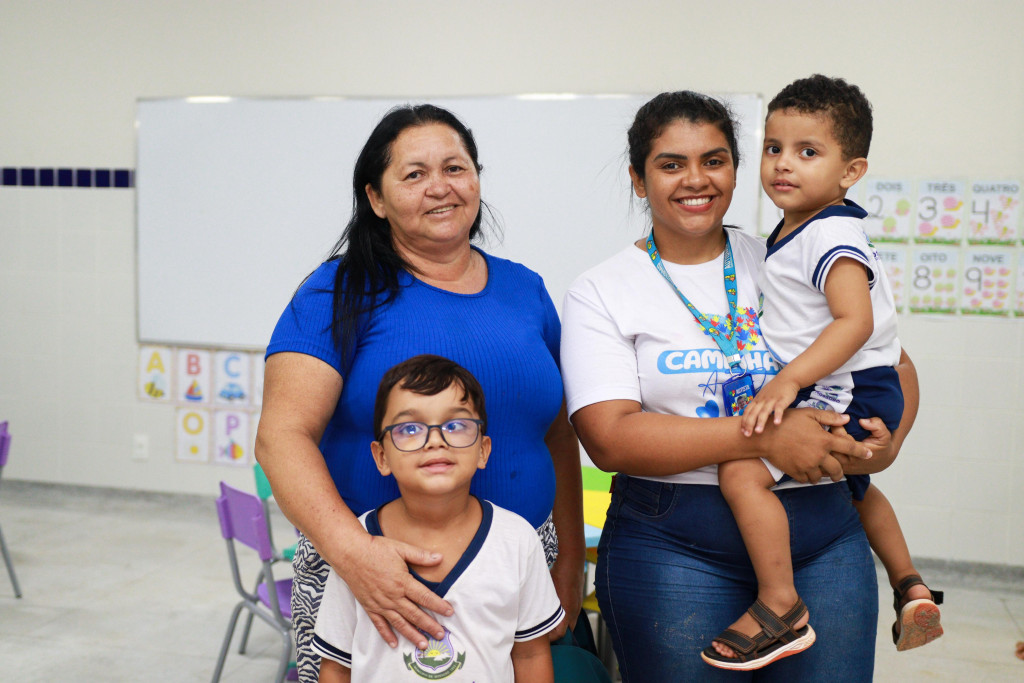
<point x="405" y="280"/>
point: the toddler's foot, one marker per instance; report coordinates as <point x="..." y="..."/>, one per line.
<point x="747" y="646"/>
<point x="749" y="627"/>
<point x="917" y="614"/>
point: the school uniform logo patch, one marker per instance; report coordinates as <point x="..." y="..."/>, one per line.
<point x="439" y="660"/>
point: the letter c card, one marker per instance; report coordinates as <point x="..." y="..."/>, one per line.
<point x="232" y="378"/>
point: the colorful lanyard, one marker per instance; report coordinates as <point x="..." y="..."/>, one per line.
<point x="725" y="342"/>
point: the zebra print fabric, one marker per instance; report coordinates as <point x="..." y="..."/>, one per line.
<point x="308" y="588"/>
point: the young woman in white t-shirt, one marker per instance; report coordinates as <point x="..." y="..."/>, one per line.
<point x="645" y="382"/>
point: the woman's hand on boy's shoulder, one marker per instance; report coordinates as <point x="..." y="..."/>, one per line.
<point x="377" y="573"/>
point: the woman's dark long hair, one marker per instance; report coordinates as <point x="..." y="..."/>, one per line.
<point x="368" y="265"/>
<point x="654" y="116"/>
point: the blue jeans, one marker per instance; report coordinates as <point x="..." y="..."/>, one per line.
<point x="672" y="573"/>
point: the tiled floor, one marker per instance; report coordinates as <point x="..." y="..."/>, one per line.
<point x="135" y="587"/>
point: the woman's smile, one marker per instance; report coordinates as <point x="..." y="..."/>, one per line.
<point x="688" y="182"/>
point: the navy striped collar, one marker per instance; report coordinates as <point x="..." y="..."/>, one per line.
<point x="847" y="208"/>
<point x="442" y="587"/>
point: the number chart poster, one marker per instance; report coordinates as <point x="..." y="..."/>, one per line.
<point x="940" y="212"/>
<point x="987" y="286"/>
<point x="894" y="260"/>
<point x="1019" y="310"/>
<point x="889" y="204"/>
<point x="933" y="279"/>
<point x="995" y="213"/>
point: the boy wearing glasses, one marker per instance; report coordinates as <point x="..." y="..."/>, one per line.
<point x="431" y="421"/>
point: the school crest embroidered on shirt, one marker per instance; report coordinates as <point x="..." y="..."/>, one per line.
<point x="439" y="660"/>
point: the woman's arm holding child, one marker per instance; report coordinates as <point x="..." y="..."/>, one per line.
<point x="884" y="446"/>
<point x="849" y="301"/>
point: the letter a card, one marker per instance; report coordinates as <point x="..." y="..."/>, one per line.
<point x="933" y="277"/>
<point x="193" y="435"/>
<point x="193" y="373"/>
<point x="890" y="205"/>
<point x="994" y="216"/>
<point x="231" y="443"/>
<point x="940" y="212"/>
<point x="987" y="285"/>
<point x="155" y="373"/>
<point x="232" y="378"/>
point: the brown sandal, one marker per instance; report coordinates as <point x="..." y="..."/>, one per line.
<point x="777" y="639"/>
<point x="917" y="621"/>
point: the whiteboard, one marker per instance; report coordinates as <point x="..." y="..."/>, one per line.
<point x="239" y="199"/>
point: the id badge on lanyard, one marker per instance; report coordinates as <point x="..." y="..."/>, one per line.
<point x="738" y="390"/>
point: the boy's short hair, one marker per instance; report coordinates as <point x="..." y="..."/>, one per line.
<point x="428" y="375"/>
<point x="842" y="102"/>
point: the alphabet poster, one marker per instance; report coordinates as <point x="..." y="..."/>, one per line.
<point x="193" y="372"/>
<point x="994" y="216"/>
<point x="231" y="443"/>
<point x="232" y="378"/>
<point x="193" y="435"/>
<point x="933" y="278"/>
<point x="889" y="204"/>
<point x="940" y="212"/>
<point x="155" y="373"/>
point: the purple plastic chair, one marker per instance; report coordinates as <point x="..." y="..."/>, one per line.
<point x="242" y="520"/>
<point x="5" y="448"/>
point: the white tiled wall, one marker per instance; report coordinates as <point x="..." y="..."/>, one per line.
<point x="958" y="482"/>
<point x="68" y="355"/>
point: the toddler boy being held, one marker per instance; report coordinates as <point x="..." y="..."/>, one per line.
<point x="830" y="321"/>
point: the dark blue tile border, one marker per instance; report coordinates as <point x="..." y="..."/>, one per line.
<point x="102" y="178"/>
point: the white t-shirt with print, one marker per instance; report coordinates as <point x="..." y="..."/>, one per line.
<point x="500" y="589"/>
<point x="626" y="335"/>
